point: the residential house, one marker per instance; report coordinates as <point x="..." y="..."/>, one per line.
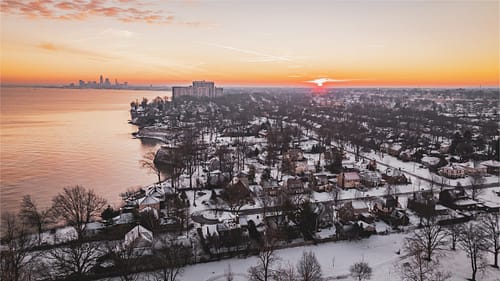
<point x="149" y="201"/>
<point x="386" y="204"/>
<point x="140" y="239"/>
<point x="457" y="199"/>
<point x="320" y="182"/>
<point x="473" y="168"/>
<point x="452" y="172"/>
<point x="242" y="176"/>
<point x="240" y="187"/>
<point x="270" y="187"/>
<point x="370" y="178"/>
<point x="294" y="185"/>
<point x="349" y="180"/>
<point x="429" y="161"/>
<point x="394" y="176"/>
<point x="301" y="167"/>
<point x="395" y="149"/>
<point x="444" y="148"/>
<point x="423" y="203"/>
<point x="93" y="228"/>
<point x="230" y="233"/>
<point x="406" y="155"/>
<point x="351" y="210"/>
<point x="492" y="167"/>
<point x="294" y="154"/>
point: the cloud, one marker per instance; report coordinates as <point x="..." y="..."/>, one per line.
<point x="51" y="47"/>
<point x="122" y="10"/>
<point x="48" y="46"/>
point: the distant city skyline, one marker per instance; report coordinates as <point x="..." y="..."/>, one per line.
<point x="264" y="43"/>
<point x="104" y="83"/>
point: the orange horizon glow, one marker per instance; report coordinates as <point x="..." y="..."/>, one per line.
<point x="358" y="44"/>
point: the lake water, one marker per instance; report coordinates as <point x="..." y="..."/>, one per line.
<point x="53" y="138"/>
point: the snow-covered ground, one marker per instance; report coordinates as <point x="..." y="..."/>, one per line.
<point x="415" y="168"/>
<point x="380" y="252"/>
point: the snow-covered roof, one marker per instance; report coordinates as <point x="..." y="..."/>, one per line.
<point x="124" y="218"/>
<point x="430" y="160"/>
<point x="148" y="200"/>
<point x="491" y="163"/>
<point x="465" y="202"/>
<point x="155" y="190"/>
<point x="183" y="241"/>
<point x="359" y="205"/>
<point x="472" y="165"/>
<point x="351" y="176"/>
<point x="440" y="207"/>
<point x="94" y="225"/>
<point x="138" y="232"/>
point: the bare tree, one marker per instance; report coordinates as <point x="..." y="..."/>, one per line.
<point x="189" y="150"/>
<point x="266" y="261"/>
<point x="15" y="255"/>
<point x="453" y="232"/>
<point x="308" y="267"/>
<point x="476" y="184"/>
<point x="124" y="258"/>
<point x="267" y="202"/>
<point x="229" y="275"/>
<point x="273" y="147"/>
<point x="77" y="206"/>
<point x="430" y="237"/>
<point x="491" y="228"/>
<point x="418" y="268"/>
<point x="171" y="161"/>
<point x="472" y="241"/>
<point x="361" y="271"/>
<point x="148" y="163"/>
<point x="33" y="216"/>
<point x="285" y="272"/>
<point x="171" y="258"/>
<point x="76" y="259"/>
<point x="234" y="198"/>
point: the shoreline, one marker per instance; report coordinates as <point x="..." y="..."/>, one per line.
<point x="129" y="88"/>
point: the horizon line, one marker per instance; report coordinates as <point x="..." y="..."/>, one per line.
<point x="326" y="87"/>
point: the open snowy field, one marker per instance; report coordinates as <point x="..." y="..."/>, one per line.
<point x="378" y="251"/>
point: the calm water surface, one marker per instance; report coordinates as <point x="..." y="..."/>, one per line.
<point x="52" y="138"/>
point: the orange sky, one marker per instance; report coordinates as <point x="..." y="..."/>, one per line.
<point x="363" y="43"/>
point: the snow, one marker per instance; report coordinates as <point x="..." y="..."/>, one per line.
<point x="413" y="168"/>
<point x="380" y="251"/>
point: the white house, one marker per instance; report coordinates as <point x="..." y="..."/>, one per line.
<point x="140" y="239"/>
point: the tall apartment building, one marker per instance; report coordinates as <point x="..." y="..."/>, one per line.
<point x="198" y="89"/>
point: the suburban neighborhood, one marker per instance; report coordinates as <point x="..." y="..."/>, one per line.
<point x="245" y="173"/>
